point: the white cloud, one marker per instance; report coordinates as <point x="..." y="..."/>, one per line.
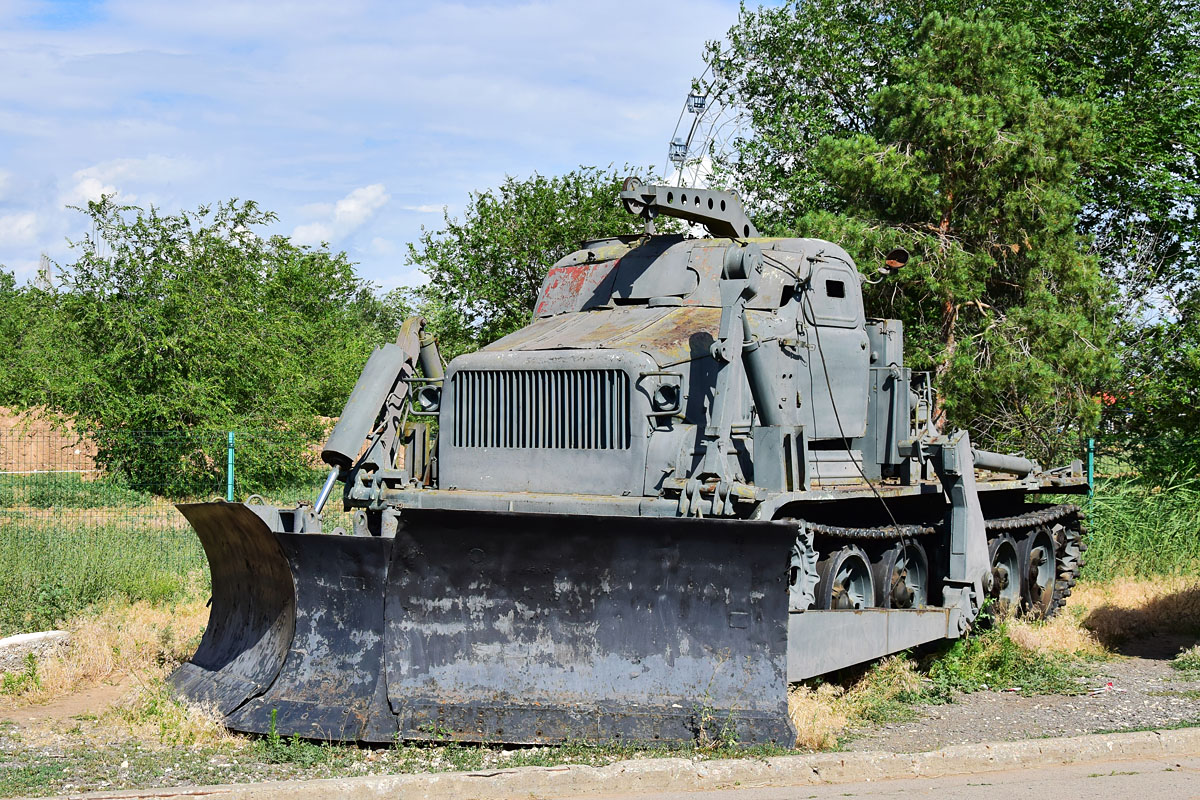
<point x="428" y="208"/>
<point x="87" y="188"/>
<point x="18" y="229"/>
<point x="355" y="208"/>
<point x="313" y="233"/>
<point x="112" y="177"/>
<point x="344" y="217"/>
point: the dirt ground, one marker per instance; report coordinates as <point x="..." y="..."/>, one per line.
<point x="30" y="441"/>
<point x="1130" y="693"/>
<point x="89" y="701"/>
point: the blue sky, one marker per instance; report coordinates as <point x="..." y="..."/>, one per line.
<point x="356" y="122"/>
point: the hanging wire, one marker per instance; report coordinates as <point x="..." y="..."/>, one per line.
<point x="905" y="540"/>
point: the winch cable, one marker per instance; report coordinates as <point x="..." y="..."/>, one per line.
<point x="905" y="540"/>
<point x="781" y="266"/>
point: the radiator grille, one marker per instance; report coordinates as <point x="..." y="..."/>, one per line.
<point x="583" y="409"/>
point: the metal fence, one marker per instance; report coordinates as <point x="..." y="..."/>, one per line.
<point x="83" y="520"/>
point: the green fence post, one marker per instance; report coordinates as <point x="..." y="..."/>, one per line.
<point x="229" y="471"/>
<point x="1091" y="466"/>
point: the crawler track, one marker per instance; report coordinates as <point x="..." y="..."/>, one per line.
<point x="1062" y="522"/>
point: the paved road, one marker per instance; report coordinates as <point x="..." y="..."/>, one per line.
<point x="1164" y="779"/>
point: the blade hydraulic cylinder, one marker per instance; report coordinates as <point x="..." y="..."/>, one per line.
<point x="382" y="376"/>
<point x="998" y="462"/>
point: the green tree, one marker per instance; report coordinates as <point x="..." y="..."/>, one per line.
<point x="808" y="69"/>
<point x="1155" y="414"/>
<point x="485" y="271"/>
<point x="43" y="359"/>
<point x="966" y="163"/>
<point x="197" y="322"/>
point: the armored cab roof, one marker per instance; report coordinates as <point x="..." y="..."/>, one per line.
<point x="673" y="270"/>
<point x="660" y="294"/>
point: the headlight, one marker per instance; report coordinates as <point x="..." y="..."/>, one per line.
<point x="429" y="398"/>
<point x="666" y="398"/>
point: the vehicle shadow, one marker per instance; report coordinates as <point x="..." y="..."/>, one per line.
<point x="1154" y="628"/>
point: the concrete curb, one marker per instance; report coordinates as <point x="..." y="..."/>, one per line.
<point x="680" y="775"/>
<point x="14" y="649"/>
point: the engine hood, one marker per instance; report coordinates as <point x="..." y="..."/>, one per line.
<point x="670" y="335"/>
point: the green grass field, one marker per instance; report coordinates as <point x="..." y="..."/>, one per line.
<point x="50" y="569"/>
<point x="68" y="542"/>
<point x="1139" y="530"/>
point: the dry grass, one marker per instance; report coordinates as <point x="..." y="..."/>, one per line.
<point x="138" y="640"/>
<point x="817" y="715"/>
<point x="149" y="713"/>
<point x="1127" y="608"/>
<point x="1063" y="635"/>
<point x="823" y="713"/>
<point x="1101" y="616"/>
<point x="130" y="648"/>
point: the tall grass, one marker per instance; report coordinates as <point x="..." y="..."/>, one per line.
<point x="1138" y="530"/>
<point x="51" y="569"/>
<point x="69" y="542"/>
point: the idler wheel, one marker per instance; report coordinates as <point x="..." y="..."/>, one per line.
<point x="901" y="576"/>
<point x="844" y="580"/>
<point x="1037" y="572"/>
<point x="1003" y="582"/>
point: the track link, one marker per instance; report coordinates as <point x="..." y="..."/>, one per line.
<point x="884" y="532"/>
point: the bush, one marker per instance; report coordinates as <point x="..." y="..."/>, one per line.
<point x="993" y="660"/>
<point x="1188" y="661"/>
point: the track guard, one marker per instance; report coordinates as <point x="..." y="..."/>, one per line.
<point x="253" y="613"/>
<point x="527" y="628"/>
<point x="330" y="686"/>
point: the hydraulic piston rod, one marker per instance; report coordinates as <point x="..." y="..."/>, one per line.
<point x="327" y="489"/>
<point x="998" y="462"/>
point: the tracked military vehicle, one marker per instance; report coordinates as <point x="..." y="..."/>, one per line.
<point x="698" y="474"/>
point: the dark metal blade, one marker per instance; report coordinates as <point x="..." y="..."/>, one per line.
<point x="253" y="608"/>
<point x="538" y="628"/>
<point x="330" y="686"/>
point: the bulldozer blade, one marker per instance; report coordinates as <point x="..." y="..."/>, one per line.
<point x="331" y="684"/>
<point x="251" y="621"/>
<point x="528" y="628"/>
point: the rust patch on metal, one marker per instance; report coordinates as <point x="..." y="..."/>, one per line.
<point x="572" y="287"/>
